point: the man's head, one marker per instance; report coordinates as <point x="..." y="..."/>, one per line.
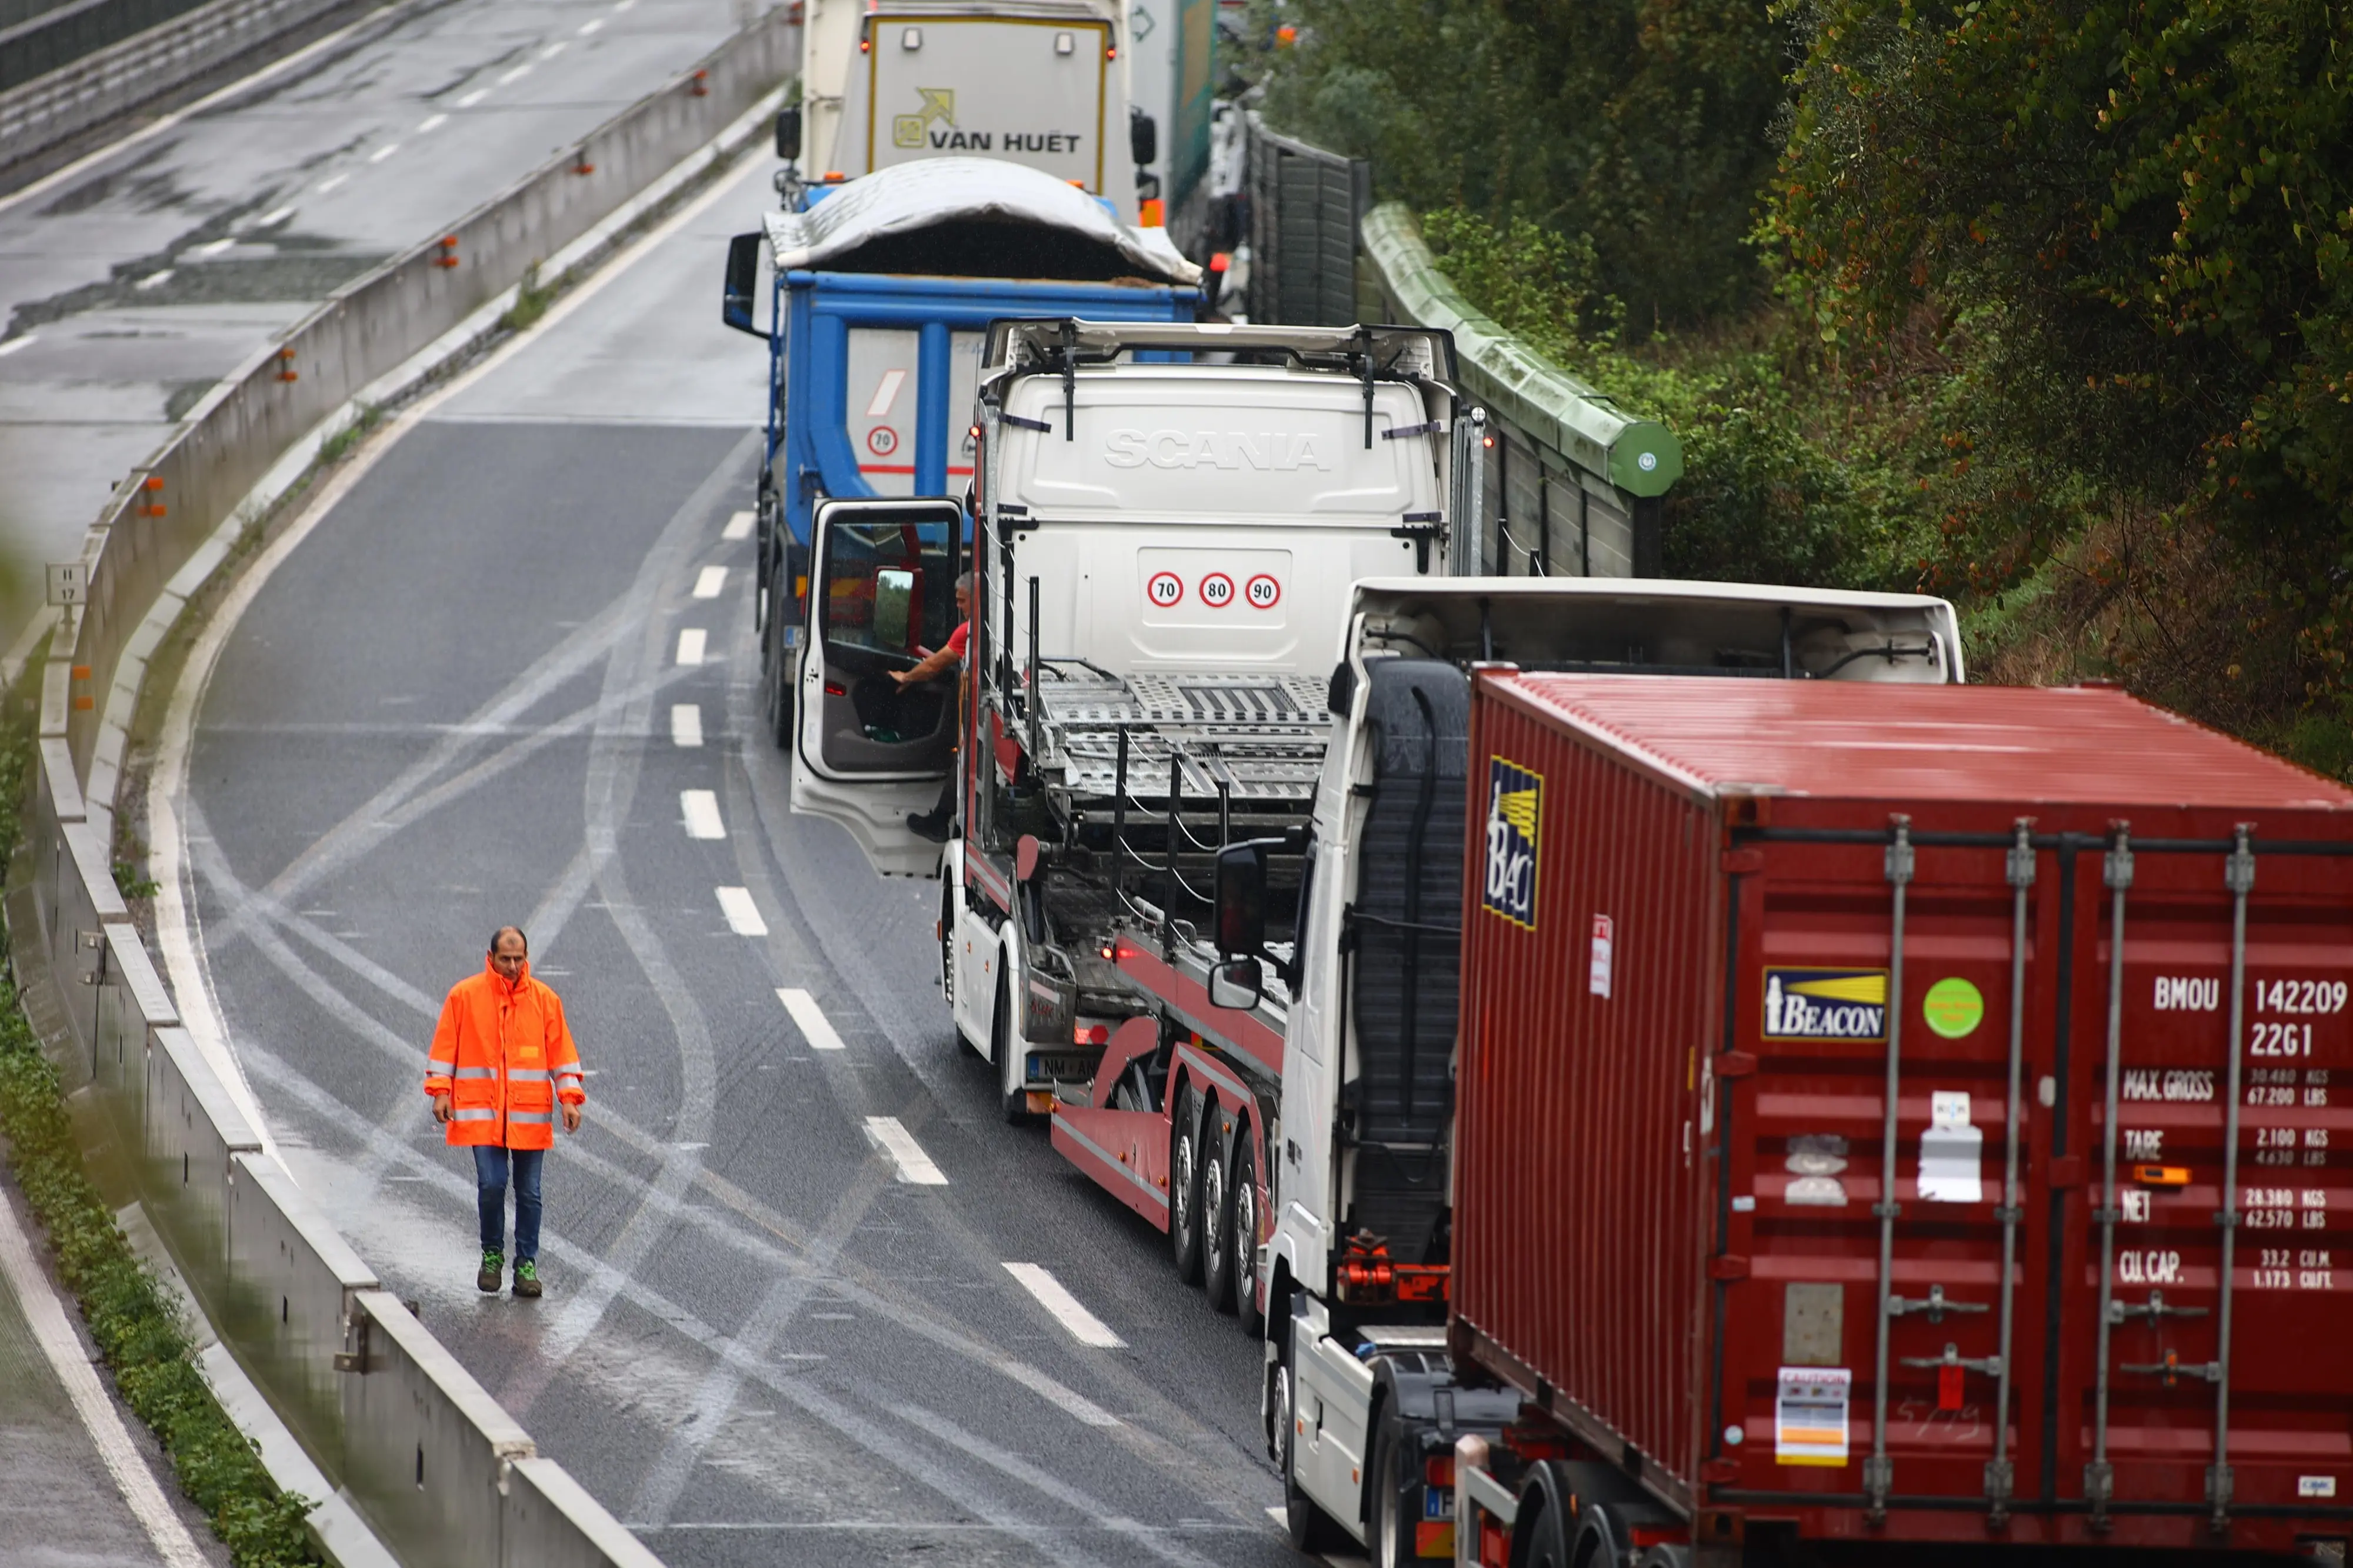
<point x="510" y="949"/>
<point x="963" y="596"/>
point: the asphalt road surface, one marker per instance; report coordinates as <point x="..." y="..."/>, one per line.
<point x="130" y="286"/>
<point x="460" y="702"/>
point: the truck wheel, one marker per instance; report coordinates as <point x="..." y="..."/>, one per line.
<point x="1310" y="1528"/>
<point x="948" y="962"/>
<point x="1217" y="1215"/>
<point x="1243" y="1233"/>
<point x="1540" y="1539"/>
<point x="1015" y="1102"/>
<point x="776" y="688"/>
<point x="1185" y="1187"/>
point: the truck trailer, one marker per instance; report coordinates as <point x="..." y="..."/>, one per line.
<point x="1887" y="1119"/>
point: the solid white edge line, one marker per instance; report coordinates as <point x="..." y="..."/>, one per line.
<point x="739" y="526"/>
<point x="692" y="643"/>
<point x="699" y="808"/>
<point x="1084" y="1326"/>
<point x="915" y="1167"/>
<point x="809" y="1019"/>
<point x="29" y="339"/>
<point x="685" y="724"/>
<point x="51" y="1331"/>
<point x="743" y="914"/>
<point x="711" y="582"/>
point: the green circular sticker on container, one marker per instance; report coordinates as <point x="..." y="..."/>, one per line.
<point x="1953" y="1007"/>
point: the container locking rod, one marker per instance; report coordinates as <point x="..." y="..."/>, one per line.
<point x="1879" y="1470"/>
<point x="2238" y="875"/>
<point x="2099" y="1475"/>
<point x="2000" y="1476"/>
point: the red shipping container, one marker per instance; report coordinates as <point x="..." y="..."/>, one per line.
<point x="1718" y="918"/>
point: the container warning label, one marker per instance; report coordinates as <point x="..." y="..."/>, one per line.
<point x="1825" y="1003"/>
<point x="1515" y="807"/>
<point x="1810" y="1407"/>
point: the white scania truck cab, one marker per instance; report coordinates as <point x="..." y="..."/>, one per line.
<point x="1167" y="522"/>
<point x="1357" y="978"/>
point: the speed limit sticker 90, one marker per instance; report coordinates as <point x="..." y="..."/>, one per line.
<point x="1263" y="592"/>
<point x="1165" y="589"/>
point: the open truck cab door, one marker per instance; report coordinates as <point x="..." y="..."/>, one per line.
<point x="869" y="751"/>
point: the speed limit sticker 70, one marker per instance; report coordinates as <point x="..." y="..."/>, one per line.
<point x="1165" y="589"/>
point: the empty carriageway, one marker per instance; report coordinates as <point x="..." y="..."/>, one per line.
<point x="808" y="1299"/>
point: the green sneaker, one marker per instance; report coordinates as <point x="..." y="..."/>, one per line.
<point x="526" y="1277"/>
<point x="487" y="1281"/>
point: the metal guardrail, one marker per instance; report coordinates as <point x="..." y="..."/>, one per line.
<point x="82" y="82"/>
<point x="1573" y="483"/>
<point x="422" y="1453"/>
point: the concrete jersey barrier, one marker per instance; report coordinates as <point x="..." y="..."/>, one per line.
<point x="1573" y="483"/>
<point x="417" y="1448"/>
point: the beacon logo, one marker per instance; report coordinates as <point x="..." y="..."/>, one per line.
<point x="1514" y="807"/>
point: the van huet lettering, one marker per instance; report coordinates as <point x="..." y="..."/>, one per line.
<point x="1825" y="1003"/>
<point x="1262" y="450"/>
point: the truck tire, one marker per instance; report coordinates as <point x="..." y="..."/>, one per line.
<point x="1185" y="1186"/>
<point x="948" y="962"/>
<point x="1311" y="1530"/>
<point x="1243" y="1232"/>
<point x="1540" y="1538"/>
<point x="776" y="672"/>
<point x="1015" y="1101"/>
<point x="1216" y="1212"/>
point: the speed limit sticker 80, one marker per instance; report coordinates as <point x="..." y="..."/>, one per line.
<point x="1216" y="590"/>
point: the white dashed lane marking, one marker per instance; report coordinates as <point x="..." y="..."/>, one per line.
<point x="738" y="526"/>
<point x="701" y="809"/>
<point x="711" y="582"/>
<point x="810" y="1019"/>
<point x="1084" y="1326"/>
<point x="474" y="98"/>
<point x="431" y="122"/>
<point x="154" y="281"/>
<point x="743" y="914"/>
<point x="686" y="725"/>
<point x="515" y="75"/>
<point x="691" y="641"/>
<point x="915" y="1167"/>
<point x="381" y="153"/>
<point x="330" y="182"/>
<point x="12" y="344"/>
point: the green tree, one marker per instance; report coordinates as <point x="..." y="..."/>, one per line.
<point x="1641" y="125"/>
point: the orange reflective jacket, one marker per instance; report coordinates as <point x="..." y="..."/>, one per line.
<point x="504" y="1056"/>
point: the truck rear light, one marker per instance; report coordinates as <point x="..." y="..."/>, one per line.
<point x="1642" y="1537"/>
<point x="1091" y="1035"/>
<point x="835" y="688"/>
<point x="1438" y="1471"/>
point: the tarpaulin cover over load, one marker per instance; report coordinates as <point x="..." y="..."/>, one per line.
<point x="1717" y="921"/>
<point x="951" y="216"/>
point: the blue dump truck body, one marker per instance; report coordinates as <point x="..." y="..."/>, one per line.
<point x="880" y="291"/>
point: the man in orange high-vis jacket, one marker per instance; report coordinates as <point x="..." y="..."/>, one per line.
<point x="501" y="1070"/>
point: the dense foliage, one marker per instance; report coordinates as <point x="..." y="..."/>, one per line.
<point x="2047" y="304"/>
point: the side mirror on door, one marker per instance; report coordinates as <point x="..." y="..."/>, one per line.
<point x="1241" y="901"/>
<point x="1237" y="983"/>
<point x="1143" y="136"/>
<point x="742" y="283"/>
<point x="788" y="133"/>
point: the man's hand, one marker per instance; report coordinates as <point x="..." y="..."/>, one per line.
<point x="571" y="1118"/>
<point x="441" y="1107"/>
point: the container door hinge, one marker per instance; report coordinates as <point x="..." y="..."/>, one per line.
<point x="1736" y="1064"/>
<point x="1727" y="1266"/>
<point x="2001" y="1483"/>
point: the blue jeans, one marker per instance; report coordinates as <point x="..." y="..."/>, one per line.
<point x="491" y="1195"/>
